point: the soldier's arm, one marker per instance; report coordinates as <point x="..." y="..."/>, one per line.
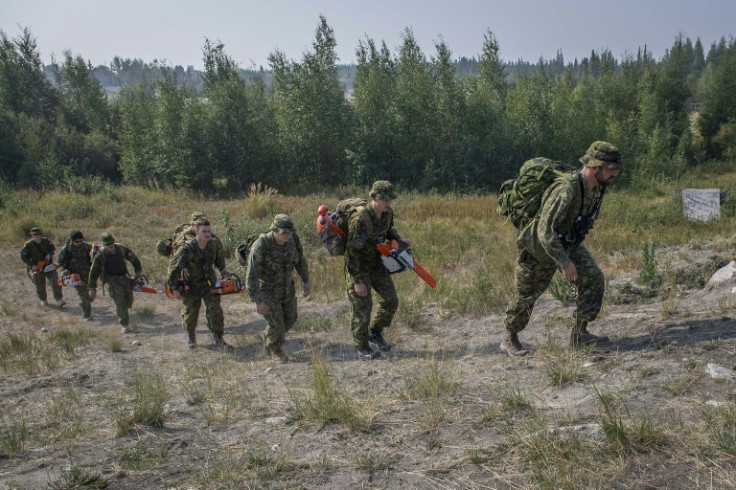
<point x="302" y="267"/>
<point x="177" y="264"/>
<point x="94" y="272"/>
<point x="25" y="256"/>
<point x="555" y="209"/>
<point x="61" y="259"/>
<point x="255" y="270"/>
<point x="135" y="261"/>
<point x="358" y="257"/>
<point x="219" y="255"/>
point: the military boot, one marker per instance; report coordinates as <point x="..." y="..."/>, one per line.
<point x="376" y="337"/>
<point x="367" y="353"/>
<point x="580" y="337"/>
<point x="511" y="345"/>
<point x="220" y="342"/>
<point x="192" y="342"/>
<point x="278" y="355"/>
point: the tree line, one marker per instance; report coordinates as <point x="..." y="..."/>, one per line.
<point x="426" y="123"/>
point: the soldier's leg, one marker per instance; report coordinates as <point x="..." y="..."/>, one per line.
<point x="288" y="306"/>
<point x="84" y="301"/>
<point x="214" y="314"/>
<point x="591" y="285"/>
<point x="361" y="309"/>
<point x="39" y="281"/>
<point x="275" y="332"/>
<point x="53" y="278"/>
<point x="117" y="292"/>
<point x="388" y="300"/>
<point x="190" y="311"/>
<point x="531" y="280"/>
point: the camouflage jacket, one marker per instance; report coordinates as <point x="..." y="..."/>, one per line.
<point x="33" y="253"/>
<point x="104" y="262"/>
<point x="270" y="266"/>
<point x="196" y="266"/>
<point x="551" y="234"/>
<point x="361" y="255"/>
<point x="75" y="259"/>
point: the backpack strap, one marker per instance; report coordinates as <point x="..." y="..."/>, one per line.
<point x="366" y="215"/>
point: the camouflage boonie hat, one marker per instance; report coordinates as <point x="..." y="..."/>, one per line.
<point x="36" y="231"/>
<point x="196" y="215"/>
<point x="382" y="189"/>
<point x="602" y="154"/>
<point x="107" y="239"/>
<point x="282" y="224"/>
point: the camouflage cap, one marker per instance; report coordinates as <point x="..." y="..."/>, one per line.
<point x="602" y="154"/>
<point x="107" y="239"/>
<point x="282" y="223"/>
<point x="382" y="189"/>
<point x="35" y="231"/>
<point x="196" y="215"/>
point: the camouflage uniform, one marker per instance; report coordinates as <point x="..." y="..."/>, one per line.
<point x="548" y="243"/>
<point x="195" y="266"/>
<point x="33" y="253"/>
<point x="111" y="268"/>
<point x="75" y="259"/>
<point x="269" y="279"/>
<point x="363" y="265"/>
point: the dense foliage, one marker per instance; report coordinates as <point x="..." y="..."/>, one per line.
<point x="425" y="123"/>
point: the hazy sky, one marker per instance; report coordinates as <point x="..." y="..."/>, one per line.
<point x="175" y="31"/>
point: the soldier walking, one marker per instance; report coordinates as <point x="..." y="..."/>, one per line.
<point x="273" y="257"/>
<point x="74" y="258"/>
<point x="364" y="271"/>
<point x="109" y="265"/>
<point x="194" y="263"/>
<point x="38" y="255"/>
<point x="552" y="241"/>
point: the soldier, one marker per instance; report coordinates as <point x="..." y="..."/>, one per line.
<point x="109" y="265"/>
<point x="195" y="263"/>
<point x="552" y="241"/>
<point x="364" y="271"/>
<point x="38" y="255"/>
<point x="75" y="259"/>
<point x="273" y="257"/>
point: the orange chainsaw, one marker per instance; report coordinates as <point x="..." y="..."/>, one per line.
<point x="233" y="285"/>
<point x="71" y="280"/>
<point x="140" y="285"/>
<point x="45" y="266"/>
<point x="396" y="258"/>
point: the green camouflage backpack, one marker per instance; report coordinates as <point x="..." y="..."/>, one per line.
<point x="242" y="251"/>
<point x="519" y="199"/>
<point x="344" y="210"/>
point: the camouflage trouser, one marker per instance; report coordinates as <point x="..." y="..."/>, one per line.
<point x="39" y="280"/>
<point x="213" y="311"/>
<point x="533" y="278"/>
<point x="388" y="303"/>
<point x="121" y="292"/>
<point x="281" y="316"/>
<point x="84" y="300"/>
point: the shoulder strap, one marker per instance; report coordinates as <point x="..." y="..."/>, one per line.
<point x="366" y="215"/>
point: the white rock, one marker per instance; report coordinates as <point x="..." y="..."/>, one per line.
<point x="275" y="448"/>
<point x="724" y="274"/>
<point x="718" y="372"/>
<point x="275" y="420"/>
<point x="269" y="369"/>
<point x="136" y="342"/>
<point x="44" y="329"/>
<point x="716" y="403"/>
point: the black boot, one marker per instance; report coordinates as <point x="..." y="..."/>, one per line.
<point x="511" y="345"/>
<point x="580" y="337"/>
<point x="376" y="337"/>
<point x="192" y="342"/>
<point x="220" y="342"/>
